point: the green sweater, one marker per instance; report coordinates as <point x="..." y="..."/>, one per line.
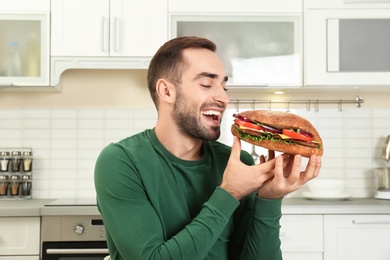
<point x="157" y="206"/>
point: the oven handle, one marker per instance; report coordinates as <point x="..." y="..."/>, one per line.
<point x="77" y="251"/>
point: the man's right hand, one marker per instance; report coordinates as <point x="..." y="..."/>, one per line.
<point x="240" y="179"/>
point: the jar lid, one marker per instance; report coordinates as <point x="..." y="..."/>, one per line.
<point x="16" y="153"/>
<point x="26" y="177"/>
<point x="4" y="153"/>
<point x="3" y="177"/>
<point x="26" y="153"/>
<point x="15" y="177"/>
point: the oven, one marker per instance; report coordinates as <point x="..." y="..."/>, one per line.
<point x="73" y="237"/>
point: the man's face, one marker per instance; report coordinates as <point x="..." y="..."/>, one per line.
<point x="201" y="99"/>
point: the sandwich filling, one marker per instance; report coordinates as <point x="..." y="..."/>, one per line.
<point x="256" y="131"/>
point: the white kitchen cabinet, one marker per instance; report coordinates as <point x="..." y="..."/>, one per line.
<point x="115" y="28"/>
<point x="347" y="43"/>
<point x="24" y="44"/>
<point x="19" y="237"/>
<point x="356" y="237"/>
<point x="105" y="34"/>
<point x="302" y="237"/>
<point x="259" y="42"/>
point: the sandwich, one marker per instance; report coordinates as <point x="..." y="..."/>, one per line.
<point x="279" y="131"/>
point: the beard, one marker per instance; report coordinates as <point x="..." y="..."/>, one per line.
<point x="188" y="120"/>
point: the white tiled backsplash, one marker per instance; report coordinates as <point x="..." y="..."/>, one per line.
<point x="66" y="143"/>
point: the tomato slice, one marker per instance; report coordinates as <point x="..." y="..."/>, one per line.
<point x="294" y="135"/>
<point x="248" y="125"/>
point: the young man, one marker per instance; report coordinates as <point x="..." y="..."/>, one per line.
<point x="174" y="192"/>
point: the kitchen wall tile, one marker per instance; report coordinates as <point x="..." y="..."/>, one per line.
<point x="66" y="143"/>
<point x="10" y="123"/>
<point x="64" y="123"/>
<point x="36" y="123"/>
<point x="36" y="113"/>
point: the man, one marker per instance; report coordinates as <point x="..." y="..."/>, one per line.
<point x="174" y="192"/>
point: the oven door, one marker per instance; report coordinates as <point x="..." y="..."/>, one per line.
<point x="91" y="250"/>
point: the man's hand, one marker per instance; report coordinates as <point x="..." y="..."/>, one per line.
<point x="240" y="179"/>
<point x="288" y="177"/>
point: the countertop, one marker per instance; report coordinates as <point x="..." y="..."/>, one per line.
<point x="36" y="207"/>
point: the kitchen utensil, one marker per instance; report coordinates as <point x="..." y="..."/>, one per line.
<point x="386" y="149"/>
<point x="255" y="156"/>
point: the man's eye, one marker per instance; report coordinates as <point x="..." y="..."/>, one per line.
<point x="206" y="86"/>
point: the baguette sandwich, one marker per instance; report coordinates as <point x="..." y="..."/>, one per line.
<point x="279" y="131"/>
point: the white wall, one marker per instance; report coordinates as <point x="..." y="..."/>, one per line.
<point x="68" y="129"/>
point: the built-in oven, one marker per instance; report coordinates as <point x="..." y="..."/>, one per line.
<point x="73" y="237"/>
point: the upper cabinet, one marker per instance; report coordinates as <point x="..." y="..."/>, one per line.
<point x="259" y="42"/>
<point x="24" y="43"/>
<point x="106" y="33"/>
<point x="347" y="43"/>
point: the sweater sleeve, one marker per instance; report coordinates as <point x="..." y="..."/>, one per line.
<point x="262" y="239"/>
<point x="134" y="230"/>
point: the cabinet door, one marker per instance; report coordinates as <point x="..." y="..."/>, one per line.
<point x="138" y="28"/>
<point x="301" y="233"/>
<point x="347" y="47"/>
<point x="19" y="236"/>
<point x="356" y="237"/>
<point x="24" y="49"/>
<point x="79" y="28"/>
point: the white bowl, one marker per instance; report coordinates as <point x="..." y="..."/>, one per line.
<point x="327" y="187"/>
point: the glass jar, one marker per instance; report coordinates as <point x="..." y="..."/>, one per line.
<point x="15" y="184"/>
<point x="27" y="161"/>
<point x="4" y="185"/>
<point x="15" y="161"/>
<point x="4" y="161"/>
<point x="26" y="185"/>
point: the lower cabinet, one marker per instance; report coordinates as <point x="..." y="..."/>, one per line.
<point x="302" y="237"/>
<point x="19" y="238"/>
<point x="356" y="237"/>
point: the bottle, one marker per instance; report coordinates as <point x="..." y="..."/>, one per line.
<point x="4" y="161"/>
<point x="27" y="161"/>
<point x="33" y="56"/>
<point x="13" y="68"/>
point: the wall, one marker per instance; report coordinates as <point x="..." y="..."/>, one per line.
<point x="67" y="129"/>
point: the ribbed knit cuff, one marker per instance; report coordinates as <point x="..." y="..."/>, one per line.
<point x="223" y="201"/>
<point x="268" y="208"/>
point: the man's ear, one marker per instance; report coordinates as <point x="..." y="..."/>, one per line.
<point x="166" y="91"/>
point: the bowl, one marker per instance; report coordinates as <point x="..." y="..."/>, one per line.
<point x="327" y="187"/>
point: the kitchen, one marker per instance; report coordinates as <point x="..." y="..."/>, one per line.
<point x="68" y="124"/>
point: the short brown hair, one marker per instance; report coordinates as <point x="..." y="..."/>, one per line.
<point x="168" y="62"/>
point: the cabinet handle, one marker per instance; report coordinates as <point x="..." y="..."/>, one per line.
<point x="104" y="28"/>
<point x="116" y="34"/>
<point x="366" y="222"/>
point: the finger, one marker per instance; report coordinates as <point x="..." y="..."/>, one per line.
<point x="262" y="159"/>
<point x="271" y="154"/>
<point x="313" y="167"/>
<point x="295" y="173"/>
<point x="236" y="148"/>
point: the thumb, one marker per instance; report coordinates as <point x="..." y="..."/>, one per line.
<point x="236" y="148"/>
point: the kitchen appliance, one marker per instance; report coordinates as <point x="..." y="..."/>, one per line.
<point x="382" y="175"/>
<point x="65" y="236"/>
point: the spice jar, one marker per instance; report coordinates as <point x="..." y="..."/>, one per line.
<point x="15" y="161"/>
<point x="27" y="161"/>
<point x="26" y="185"/>
<point x="15" y="184"/>
<point x="4" y="161"/>
<point x="3" y="185"/>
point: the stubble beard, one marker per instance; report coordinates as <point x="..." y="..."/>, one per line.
<point x="189" y="122"/>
